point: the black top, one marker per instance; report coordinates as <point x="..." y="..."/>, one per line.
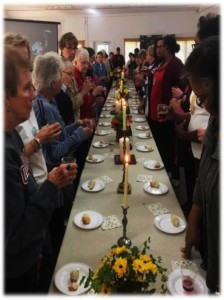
<point x="64" y="104"/>
<point x="27" y="209"/>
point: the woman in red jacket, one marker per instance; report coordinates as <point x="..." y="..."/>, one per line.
<point x="165" y="77"/>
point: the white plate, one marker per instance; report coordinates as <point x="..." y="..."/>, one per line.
<point x="150" y="164"/>
<point x="163" y="223"/>
<point x="163" y="189"/>
<point x="105" y="116"/>
<point x="99" y="186"/>
<point x="142" y="127"/>
<point x="106" y="108"/>
<point x="144" y="135"/>
<point x="62" y="278"/>
<point x="96" y="219"/>
<point x="96" y="159"/>
<point x="101" y="132"/>
<point x="143" y="148"/>
<point x="104" y="124"/>
<point x="174" y="284"/>
<point x="98" y="145"/>
<point x="139" y="120"/>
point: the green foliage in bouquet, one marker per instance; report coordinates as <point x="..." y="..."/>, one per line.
<point x="127" y="270"/>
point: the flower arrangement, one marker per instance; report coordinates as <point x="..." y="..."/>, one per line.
<point x="124" y="94"/>
<point x="127" y="270"/>
<point x="117" y="121"/>
<point x="117" y="75"/>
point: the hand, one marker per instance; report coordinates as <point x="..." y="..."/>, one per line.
<point x="98" y="90"/>
<point x="49" y="133"/>
<point x="176" y="92"/>
<point x="62" y="176"/>
<point x="192" y="239"/>
<point x="87" y="87"/>
<point x="175" y="103"/>
<point x="201" y="134"/>
<point x="88" y="131"/>
<point x="85" y="123"/>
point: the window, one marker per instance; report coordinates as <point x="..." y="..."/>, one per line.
<point x="129" y="46"/>
<point x="98" y="46"/>
<point x="81" y="44"/>
<point x="185" y="48"/>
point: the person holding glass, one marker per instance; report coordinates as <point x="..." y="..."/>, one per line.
<point x="93" y="99"/>
<point x="47" y="70"/>
<point x="27" y="207"/>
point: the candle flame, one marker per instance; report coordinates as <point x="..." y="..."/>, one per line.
<point x="126" y="158"/>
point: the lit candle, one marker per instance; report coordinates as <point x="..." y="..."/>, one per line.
<point x="126" y="182"/>
<point x="127" y="148"/>
<point x="121" y="86"/>
<point x="124" y="117"/>
<point x="117" y="106"/>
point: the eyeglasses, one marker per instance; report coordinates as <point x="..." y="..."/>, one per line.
<point x="71" y="48"/>
<point x="68" y="73"/>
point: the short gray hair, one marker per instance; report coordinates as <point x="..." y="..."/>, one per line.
<point x="66" y="63"/>
<point x="142" y="54"/>
<point x="150" y="50"/>
<point x="47" y="69"/>
<point x="81" y="53"/>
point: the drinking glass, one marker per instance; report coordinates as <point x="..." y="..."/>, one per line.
<point x="187" y="280"/>
<point x="67" y="160"/>
<point x="162" y="111"/>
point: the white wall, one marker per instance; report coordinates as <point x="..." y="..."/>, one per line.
<point x="115" y="28"/>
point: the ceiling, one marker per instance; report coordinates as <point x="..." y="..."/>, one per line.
<point x="106" y="9"/>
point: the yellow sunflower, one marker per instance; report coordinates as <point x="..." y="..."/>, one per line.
<point x="105" y="289"/>
<point x="120" y="266"/>
<point x="138" y="266"/>
<point x="145" y="258"/>
<point x="120" y="250"/>
<point x="151" y="267"/>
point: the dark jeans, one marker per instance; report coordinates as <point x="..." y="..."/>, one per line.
<point x="165" y="138"/>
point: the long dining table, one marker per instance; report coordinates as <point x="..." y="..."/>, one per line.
<point x="90" y="246"/>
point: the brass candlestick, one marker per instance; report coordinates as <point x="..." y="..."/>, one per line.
<point x="120" y="188"/>
<point x="124" y="240"/>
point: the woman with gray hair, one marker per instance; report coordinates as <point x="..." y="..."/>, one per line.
<point x="94" y="99"/>
<point x="47" y="70"/>
<point x="47" y="80"/>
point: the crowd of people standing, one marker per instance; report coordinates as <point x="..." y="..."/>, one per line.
<point x="51" y="109"/>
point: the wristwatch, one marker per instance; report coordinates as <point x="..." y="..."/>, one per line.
<point x="37" y="140"/>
